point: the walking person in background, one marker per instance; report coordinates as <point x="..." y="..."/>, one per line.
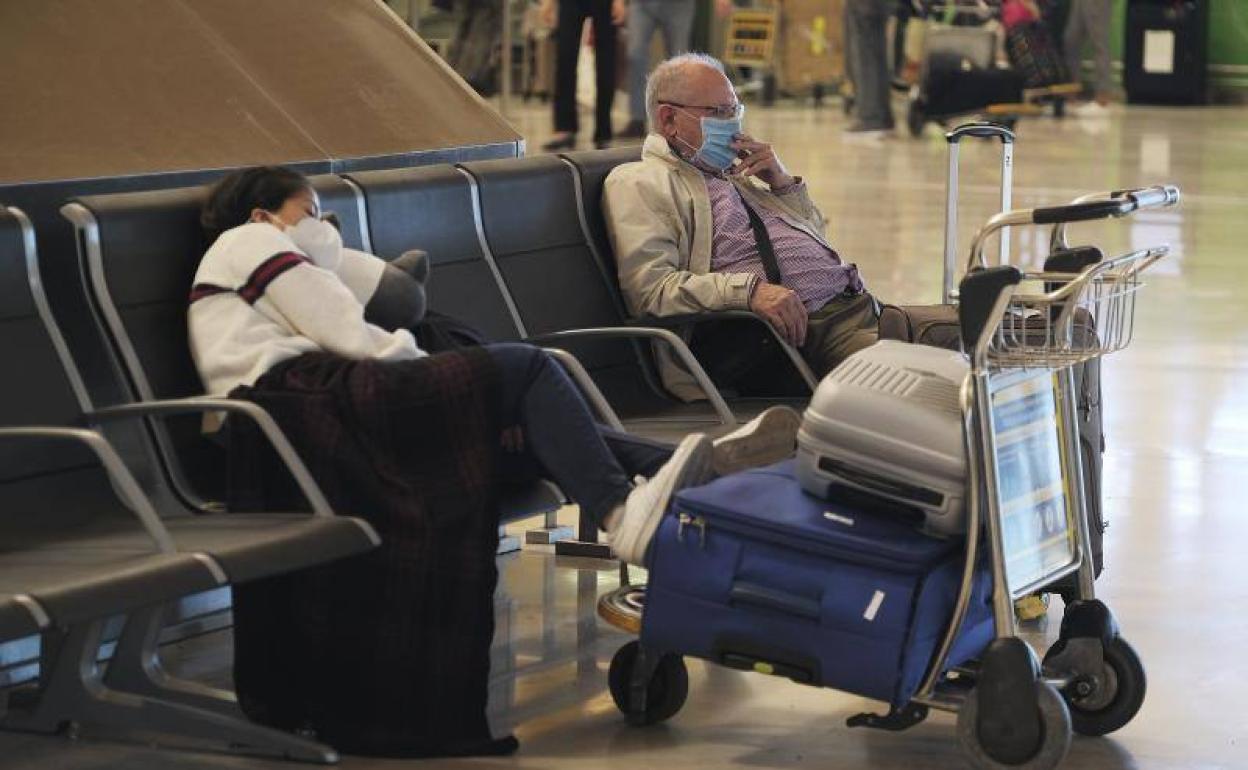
<point x="672" y="18"/>
<point x="1088" y="23"/>
<point x="866" y="24"/>
<point x="569" y="16"/>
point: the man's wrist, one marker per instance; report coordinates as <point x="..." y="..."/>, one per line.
<point x="750" y="287"/>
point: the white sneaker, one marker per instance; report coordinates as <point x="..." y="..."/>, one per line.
<point x="768" y="438"/>
<point x="632" y="529"/>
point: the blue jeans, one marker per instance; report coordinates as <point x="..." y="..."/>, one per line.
<point x="866" y="50"/>
<point x="674" y="18"/>
<point x="592" y="464"/>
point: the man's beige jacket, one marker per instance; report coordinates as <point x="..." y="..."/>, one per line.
<point x="658" y="215"/>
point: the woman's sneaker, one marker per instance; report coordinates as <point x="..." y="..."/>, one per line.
<point x="768" y="438"/>
<point x="631" y="529"/>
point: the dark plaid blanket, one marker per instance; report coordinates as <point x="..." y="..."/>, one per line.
<point x="385" y="653"/>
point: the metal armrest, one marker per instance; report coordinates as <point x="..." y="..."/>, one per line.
<point x="123" y="480"/>
<point x="171" y="407"/>
<point x="663" y="335"/>
<point x="682" y="320"/>
<point x="588" y="387"/>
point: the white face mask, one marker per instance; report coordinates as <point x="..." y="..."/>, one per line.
<point x="319" y="240"/>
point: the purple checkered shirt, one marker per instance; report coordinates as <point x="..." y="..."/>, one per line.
<point x="808" y="267"/>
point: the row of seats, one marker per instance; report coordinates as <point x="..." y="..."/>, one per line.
<point x="518" y="249"/>
<point x="102" y="500"/>
<point x="84" y="542"/>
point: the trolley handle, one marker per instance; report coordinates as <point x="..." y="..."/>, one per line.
<point x="981" y="129"/>
<point x="1119" y="204"/>
<point x="983" y="296"/>
<point x="1158" y="196"/>
<point x="1126" y="202"/>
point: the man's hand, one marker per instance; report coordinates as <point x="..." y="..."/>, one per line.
<point x="723" y="8"/>
<point x="619" y="12"/>
<point x="760" y="160"/>
<point x="548" y="12"/>
<point x="782" y="309"/>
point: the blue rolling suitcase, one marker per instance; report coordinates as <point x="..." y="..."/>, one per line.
<point x="752" y="572"/>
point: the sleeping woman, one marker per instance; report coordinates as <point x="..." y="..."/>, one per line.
<point x="419" y="445"/>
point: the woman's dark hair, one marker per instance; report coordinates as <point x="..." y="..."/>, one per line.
<point x="231" y="200"/>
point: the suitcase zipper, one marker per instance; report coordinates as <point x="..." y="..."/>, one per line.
<point x="685" y="520"/>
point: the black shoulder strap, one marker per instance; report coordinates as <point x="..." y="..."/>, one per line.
<point x="762" y="239"/>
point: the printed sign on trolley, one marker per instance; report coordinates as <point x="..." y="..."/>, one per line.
<point x="1037" y="519"/>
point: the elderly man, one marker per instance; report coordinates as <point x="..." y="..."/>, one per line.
<point x="710" y="219"/>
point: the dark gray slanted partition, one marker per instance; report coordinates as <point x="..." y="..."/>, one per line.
<point x="84" y="543"/>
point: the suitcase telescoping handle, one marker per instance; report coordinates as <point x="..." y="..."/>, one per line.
<point x="976" y="130"/>
<point x="1124" y="204"/>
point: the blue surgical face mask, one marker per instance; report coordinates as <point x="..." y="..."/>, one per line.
<point x="716" y="152"/>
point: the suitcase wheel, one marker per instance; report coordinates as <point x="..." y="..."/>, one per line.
<point x="1103" y="701"/>
<point x="646" y="690"/>
<point x="1054" y="735"/>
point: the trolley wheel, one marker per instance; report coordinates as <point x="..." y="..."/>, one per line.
<point x="1054" y="733"/>
<point x="1059" y="107"/>
<point x="915" y="118"/>
<point x="1105" y="702"/>
<point x="665" y="694"/>
<point x="847" y="104"/>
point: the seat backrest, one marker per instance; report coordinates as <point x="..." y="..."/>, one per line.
<point x="46" y="487"/>
<point x="139" y="253"/>
<point x="592" y="168"/>
<point x="432" y="208"/>
<point x="532" y="226"/>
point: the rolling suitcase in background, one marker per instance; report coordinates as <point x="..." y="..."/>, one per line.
<point x="954" y="85"/>
<point x="753" y="573"/>
<point x="958" y="75"/>
<point x="937" y="325"/>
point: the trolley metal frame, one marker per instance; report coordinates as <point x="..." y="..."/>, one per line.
<point x="1003" y="342"/>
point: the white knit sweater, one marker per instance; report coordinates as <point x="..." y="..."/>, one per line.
<point x="257" y="301"/>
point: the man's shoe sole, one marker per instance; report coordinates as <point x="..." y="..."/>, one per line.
<point x="772" y="439"/>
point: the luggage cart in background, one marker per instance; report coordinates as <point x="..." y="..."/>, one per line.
<point x="750" y="42"/>
<point x="1026" y="515"/>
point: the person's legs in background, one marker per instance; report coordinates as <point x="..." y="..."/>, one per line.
<point x="868" y="27"/>
<point x="567" y="48"/>
<point x="1072" y="40"/>
<point x="677" y="25"/>
<point x="1098" y="21"/>
<point x="605" y="39"/>
<point x="643" y="19"/>
<point x="674" y="19"/>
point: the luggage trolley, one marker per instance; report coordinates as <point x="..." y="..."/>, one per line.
<point x="1025" y="516"/>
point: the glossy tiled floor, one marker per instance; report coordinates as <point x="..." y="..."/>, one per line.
<point x="1177" y="425"/>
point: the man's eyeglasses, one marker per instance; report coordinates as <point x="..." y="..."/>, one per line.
<point x="723" y="112"/>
